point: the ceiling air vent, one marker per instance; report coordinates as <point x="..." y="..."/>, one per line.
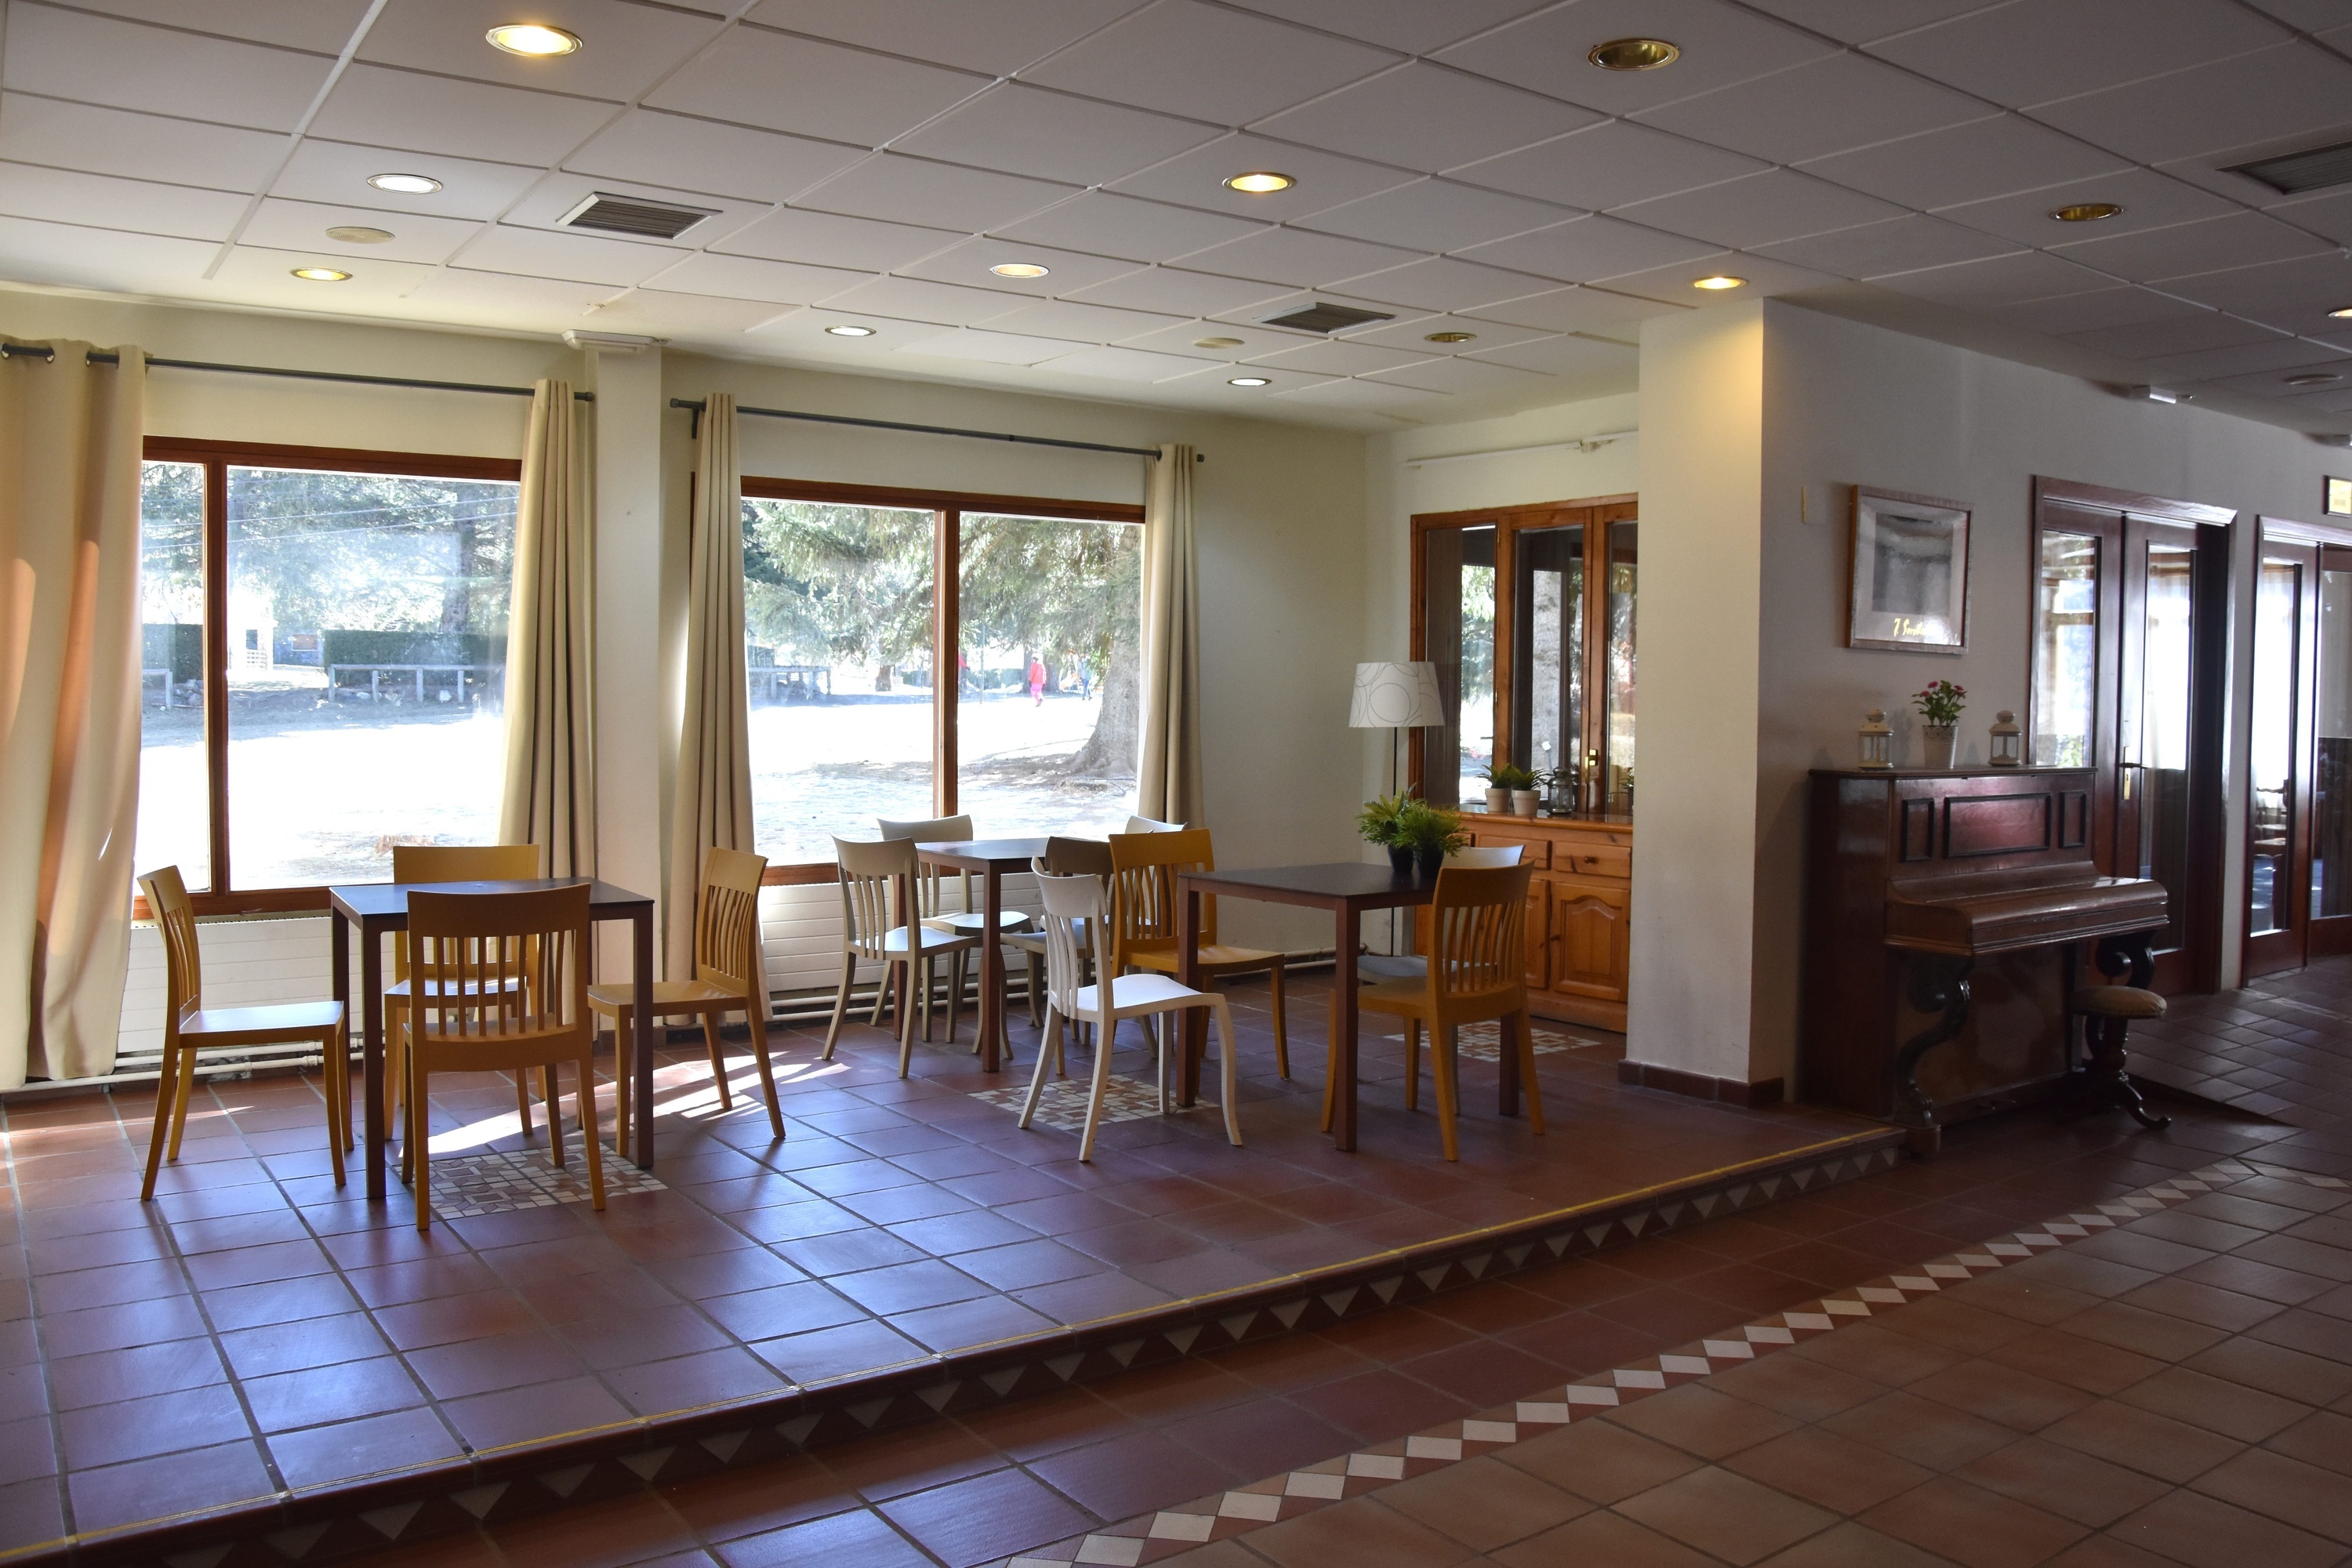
<point x="2306" y="170"/>
<point x="634" y="214"/>
<point x="1326" y="319"/>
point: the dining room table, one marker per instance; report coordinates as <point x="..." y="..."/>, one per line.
<point x="1346" y="888"/>
<point x="378" y="909"/>
<point x="988" y="859"/>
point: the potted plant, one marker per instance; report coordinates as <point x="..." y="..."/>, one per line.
<point x="1511" y="788"/>
<point x="1939" y="704"/>
<point x="1381" y="823"/>
<point x="1429" y="831"/>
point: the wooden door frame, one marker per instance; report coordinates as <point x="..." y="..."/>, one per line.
<point x="2310" y="938"/>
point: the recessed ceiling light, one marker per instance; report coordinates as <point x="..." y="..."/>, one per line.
<point x="847" y="330"/>
<point x="2085" y="212"/>
<point x="1634" y="54"/>
<point x="2314" y="378"/>
<point x="359" y="234"/>
<point x="2342" y="314"/>
<point x="1216" y="343"/>
<point x="1260" y="182"/>
<point x="322" y="275"/>
<point x="405" y="185"/>
<point x="1450" y="338"/>
<point x="533" y="38"/>
<point x="1250" y="381"/>
<point x="1720" y="281"/>
<point x="1018" y="270"/>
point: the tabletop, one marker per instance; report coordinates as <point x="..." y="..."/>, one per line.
<point x="1338" y="882"/>
<point x="389" y="901"/>
<point x="1005" y="854"/>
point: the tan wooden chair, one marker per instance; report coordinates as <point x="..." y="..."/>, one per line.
<point x="1073" y="904"/>
<point x="412" y="863"/>
<point x="189" y="1026"/>
<point x="1063" y="858"/>
<point x="1371" y="968"/>
<point x="965" y="919"/>
<point x="1477" y="971"/>
<point x="871" y="876"/>
<point x="728" y="977"/>
<point x="1144" y="916"/>
<point x="501" y="985"/>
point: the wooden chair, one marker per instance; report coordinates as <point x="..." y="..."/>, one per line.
<point x="728" y="977"/>
<point x="871" y="875"/>
<point x="1063" y="858"/>
<point x="1073" y="904"/>
<point x="1477" y="971"/>
<point x="412" y="863"/>
<point x="1372" y="968"/>
<point x="190" y="1026"/>
<point x="968" y="919"/>
<point x="1144" y="916"/>
<point x="501" y="985"/>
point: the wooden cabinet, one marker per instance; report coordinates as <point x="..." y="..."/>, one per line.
<point x="1589" y="939"/>
<point x="1580" y="908"/>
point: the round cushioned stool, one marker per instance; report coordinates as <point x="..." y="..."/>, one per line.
<point x="2107" y="1011"/>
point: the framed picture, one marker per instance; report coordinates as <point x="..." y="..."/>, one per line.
<point x="2339" y="498"/>
<point x="1910" y="566"/>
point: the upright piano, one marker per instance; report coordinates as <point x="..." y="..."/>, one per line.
<point x="1943" y="916"/>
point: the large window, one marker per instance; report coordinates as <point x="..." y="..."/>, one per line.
<point x="324" y="656"/>
<point x="1034" y="728"/>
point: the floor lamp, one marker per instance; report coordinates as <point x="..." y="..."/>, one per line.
<point x="1396" y="698"/>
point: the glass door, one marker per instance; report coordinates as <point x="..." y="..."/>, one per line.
<point x="2278" y="825"/>
<point x="1547" y="665"/>
<point x="1458" y="634"/>
<point x="2328" y="885"/>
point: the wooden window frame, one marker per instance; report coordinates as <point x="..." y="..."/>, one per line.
<point x="216" y="457"/>
<point x="947" y="508"/>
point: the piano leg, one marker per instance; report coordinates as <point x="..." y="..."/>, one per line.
<point x="1939" y="985"/>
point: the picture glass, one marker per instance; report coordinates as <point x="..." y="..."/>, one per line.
<point x="1910" y="573"/>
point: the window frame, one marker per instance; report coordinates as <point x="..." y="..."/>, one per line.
<point x="947" y="509"/>
<point x="216" y="457"/>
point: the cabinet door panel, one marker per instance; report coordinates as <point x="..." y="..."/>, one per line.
<point x="1589" y="941"/>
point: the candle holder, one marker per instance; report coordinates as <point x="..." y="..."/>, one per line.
<point x="2008" y="743"/>
<point x="1877" y="741"/>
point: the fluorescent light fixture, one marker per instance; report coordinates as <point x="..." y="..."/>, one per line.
<point x="848" y="331"/>
<point x="405" y="185"/>
<point x="1019" y="269"/>
<point x="2314" y="378"/>
<point x="1720" y="281"/>
<point x="1260" y="182"/>
<point x="533" y="38"/>
<point x="1250" y="381"/>
<point x="322" y="275"/>
<point x="611" y="342"/>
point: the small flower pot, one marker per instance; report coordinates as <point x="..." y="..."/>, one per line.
<point x="1525" y="802"/>
<point x="1400" y="859"/>
<point x="1499" y="802"/>
<point x="1429" y="862"/>
<point x="1938" y="741"/>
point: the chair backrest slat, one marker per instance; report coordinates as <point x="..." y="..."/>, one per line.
<point x="414" y="863"/>
<point x="869" y="875"/>
<point x="930" y="883"/>
<point x="726" y="920"/>
<point x="1479" y="916"/>
<point x="1143" y="909"/>
<point x="492" y="965"/>
<point x="175" y="921"/>
<point x="1071" y="902"/>
<point x="1480" y="855"/>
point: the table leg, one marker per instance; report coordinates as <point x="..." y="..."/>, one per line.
<point x="641" y="1000"/>
<point x="1188" y="973"/>
<point x="1351" y="923"/>
<point x="371" y="1047"/>
<point x="995" y="1047"/>
<point x="1509" y="1031"/>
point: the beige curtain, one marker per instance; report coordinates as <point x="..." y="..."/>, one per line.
<point x="551" y="786"/>
<point x="69" y="658"/>
<point x="712" y="803"/>
<point x="1167" y="772"/>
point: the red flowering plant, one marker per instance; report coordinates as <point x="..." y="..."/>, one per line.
<point x="1941" y="702"/>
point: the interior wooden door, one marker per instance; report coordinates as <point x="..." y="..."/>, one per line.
<point x="2281" y="757"/>
<point x="2326" y="877"/>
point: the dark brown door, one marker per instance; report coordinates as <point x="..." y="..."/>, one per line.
<point x="2281" y="758"/>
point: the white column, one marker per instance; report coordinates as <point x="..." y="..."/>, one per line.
<point x="629" y="741"/>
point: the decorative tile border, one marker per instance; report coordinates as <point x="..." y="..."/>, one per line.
<point x="1150" y="1538"/>
<point x="1063" y="1104"/>
<point x="499" y="1181"/>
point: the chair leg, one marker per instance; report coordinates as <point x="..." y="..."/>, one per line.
<point x="522" y="1103"/>
<point x="586" y="1085"/>
<point x="1413" y="1062"/>
<point x="717" y="1062"/>
<point x="1228" y="1070"/>
<point x="338" y="1125"/>
<point x="906" y="973"/>
<point x="554" y="1118"/>
<point x="1037" y="1078"/>
<point x="1441" y="1060"/>
<point x="1527" y="1085"/>
<point x="756" y="1015"/>
<point x="927" y="980"/>
<point x="415" y="1157"/>
<point x="167" y="1083"/>
<point x="1281" y="1027"/>
<point x="881" y="995"/>
<point x="1036" y="990"/>
<point x="841" y="1003"/>
<point x="1095" y="1097"/>
<point x="180" y="1102"/>
<point x="1330" y="1077"/>
<point x="625" y="1080"/>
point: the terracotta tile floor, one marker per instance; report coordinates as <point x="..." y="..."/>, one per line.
<point x="256" y="1330"/>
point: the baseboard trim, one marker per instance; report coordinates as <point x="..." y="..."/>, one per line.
<point x="1699" y="1086"/>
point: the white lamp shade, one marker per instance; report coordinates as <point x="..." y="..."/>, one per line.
<point x="1396" y="697"/>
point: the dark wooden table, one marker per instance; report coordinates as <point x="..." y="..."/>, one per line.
<point x="988" y="858"/>
<point x="1346" y="888"/>
<point x="381" y="907"/>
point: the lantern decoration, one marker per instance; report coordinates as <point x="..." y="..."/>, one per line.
<point x="2008" y="745"/>
<point x="1877" y="741"/>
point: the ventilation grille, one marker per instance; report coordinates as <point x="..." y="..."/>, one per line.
<point x="634" y="214"/>
<point x="1326" y="319"/>
<point x="2308" y="171"/>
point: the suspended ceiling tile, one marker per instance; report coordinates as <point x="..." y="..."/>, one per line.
<point x="675" y="150"/>
<point x="301" y="225"/>
<point x="2294" y="296"/>
<point x="914" y="300"/>
<point x="1608" y="165"/>
<point x="1824" y="106"/>
<point x="100" y="59"/>
<point x="1446" y="283"/>
<point x="749" y="278"/>
<point x="1296" y="256"/>
<point x="1184" y="339"/>
<point x="1414" y="334"/>
<point x="1721" y="43"/>
<point x="803" y="332"/>
<point x="1197" y="179"/>
<point x="1371" y="395"/>
<point x="996" y="37"/>
<point x="569" y="257"/>
<point x="2002" y="280"/>
<point x="1677" y="285"/>
<point x="897" y="189"/>
<point x="505" y="298"/>
<point x="1601" y="312"/>
<point x="680" y="315"/>
<point x="1587" y="249"/>
<point x="811" y="88"/>
<point x="1898" y="245"/>
<point x="1414" y="27"/>
<point x="2252" y="367"/>
<point x="35" y="252"/>
<point x="1758" y="209"/>
<point x="1178" y="292"/>
<point x="996" y="347"/>
<point x="2329" y="215"/>
<point x="969" y="260"/>
<point x="2099" y="308"/>
<point x="1338" y="357"/>
<point x="2150" y="199"/>
<point x="271" y="270"/>
<point x="830" y="239"/>
<point x="1459" y="376"/>
<point x="1026" y="130"/>
<point x="390" y="107"/>
<point x="1437" y="215"/>
<point x="1104" y="224"/>
<point x="1860" y="21"/>
<point x="338" y="172"/>
<point x="1577" y="356"/>
<point x="2151" y="340"/>
<point x="625" y="48"/>
<point x="2020" y="54"/>
<point x="1985" y="158"/>
<point x="2208" y="245"/>
<point x="101" y="201"/>
<point x="546" y="202"/>
<point x="136" y="146"/>
<point x="1082" y="323"/>
<point x="1424" y="116"/>
<point x="2294" y="92"/>
<point x="1217" y="380"/>
<point x="321" y="27"/>
<point x="1123" y="364"/>
<point x="1186" y="57"/>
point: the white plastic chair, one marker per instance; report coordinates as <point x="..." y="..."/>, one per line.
<point x="1372" y="968"/>
<point x="1112" y="998"/>
<point x="1146" y="824"/>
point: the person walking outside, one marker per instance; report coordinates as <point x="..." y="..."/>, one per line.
<point x="1036" y="681"/>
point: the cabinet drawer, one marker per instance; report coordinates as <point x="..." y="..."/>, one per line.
<point x="1535" y="852"/>
<point x="1594" y="858"/>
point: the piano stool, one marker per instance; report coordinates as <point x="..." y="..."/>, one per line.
<point x="2107" y="1011"/>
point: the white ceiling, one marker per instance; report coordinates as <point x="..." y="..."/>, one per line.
<point x="1461" y="166"/>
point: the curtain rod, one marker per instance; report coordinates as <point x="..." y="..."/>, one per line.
<point x="95" y="356"/>
<point x="1582" y="443"/>
<point x="697" y="407"/>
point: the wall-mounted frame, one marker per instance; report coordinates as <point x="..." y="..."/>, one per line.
<point x="2339" y="500"/>
<point x="1910" y="573"/>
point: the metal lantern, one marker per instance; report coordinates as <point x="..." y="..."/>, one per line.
<point x="2008" y="745"/>
<point x="1877" y="741"/>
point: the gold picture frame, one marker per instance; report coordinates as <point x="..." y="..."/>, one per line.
<point x="1908" y="569"/>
